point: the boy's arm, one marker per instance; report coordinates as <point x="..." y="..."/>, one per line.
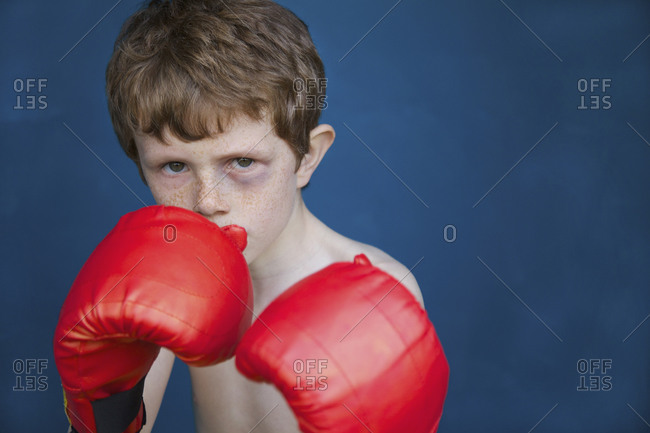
<point x="155" y="385"/>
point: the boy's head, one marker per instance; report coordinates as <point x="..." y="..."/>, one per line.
<point x="190" y="67"/>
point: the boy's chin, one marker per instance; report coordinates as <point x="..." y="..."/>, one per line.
<point x="253" y="254"/>
<point x="250" y="255"/>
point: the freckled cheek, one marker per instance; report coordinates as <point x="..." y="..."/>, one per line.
<point x="172" y="196"/>
<point x="253" y="200"/>
<point x="269" y="206"/>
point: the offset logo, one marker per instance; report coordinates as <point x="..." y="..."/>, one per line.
<point x="170" y="233"/>
<point x="30" y="374"/>
<point x="309" y="374"/>
<point x="593" y="94"/>
<point x="593" y="376"/>
<point x="449" y="233"/>
<point x="312" y="93"/>
<point x="30" y="93"/>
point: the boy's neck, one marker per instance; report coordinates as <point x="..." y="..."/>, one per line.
<point x="292" y="253"/>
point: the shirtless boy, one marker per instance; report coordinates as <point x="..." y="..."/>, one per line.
<point x="204" y="100"/>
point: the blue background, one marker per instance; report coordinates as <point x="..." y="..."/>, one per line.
<point x="549" y="268"/>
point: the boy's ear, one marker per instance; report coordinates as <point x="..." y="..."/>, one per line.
<point x="320" y="140"/>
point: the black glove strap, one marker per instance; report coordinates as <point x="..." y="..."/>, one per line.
<point x="115" y="413"/>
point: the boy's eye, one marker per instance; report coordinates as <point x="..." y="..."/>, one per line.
<point x="175" y="166"/>
<point x="244" y="162"/>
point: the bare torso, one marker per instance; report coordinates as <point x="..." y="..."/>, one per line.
<point x="227" y="402"/>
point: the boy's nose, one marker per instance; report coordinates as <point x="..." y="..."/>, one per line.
<point x="210" y="198"/>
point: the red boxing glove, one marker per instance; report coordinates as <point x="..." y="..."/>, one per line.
<point x="164" y="276"/>
<point x="351" y="350"/>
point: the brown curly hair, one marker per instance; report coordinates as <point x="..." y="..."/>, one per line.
<point x="193" y="65"/>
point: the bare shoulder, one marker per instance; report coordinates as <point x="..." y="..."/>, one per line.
<point x="394" y="268"/>
<point x="349" y="248"/>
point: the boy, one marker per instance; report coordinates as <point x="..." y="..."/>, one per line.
<point x="217" y="104"/>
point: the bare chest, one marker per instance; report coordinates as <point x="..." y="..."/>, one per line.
<point x="225" y="401"/>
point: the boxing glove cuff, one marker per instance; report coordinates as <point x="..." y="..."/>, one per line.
<point x="123" y="412"/>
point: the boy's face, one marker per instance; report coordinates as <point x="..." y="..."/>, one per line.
<point x="245" y="176"/>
